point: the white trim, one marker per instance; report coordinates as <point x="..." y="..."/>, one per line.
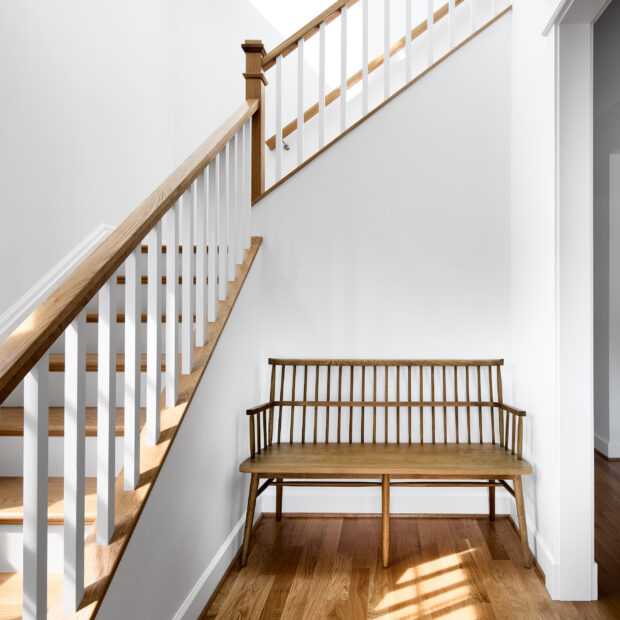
<point x="575" y="11"/>
<point x="200" y="594"/>
<point x="606" y="447"/>
<point x="38" y="293"/>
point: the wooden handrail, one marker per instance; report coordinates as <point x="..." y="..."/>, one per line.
<point x="25" y="346"/>
<point x="305" y="32"/>
<point x="373" y="65"/>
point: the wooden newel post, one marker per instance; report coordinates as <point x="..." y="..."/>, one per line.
<point x="255" y="83"/>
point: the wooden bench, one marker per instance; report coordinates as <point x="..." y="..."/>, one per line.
<point x="386" y="423"/>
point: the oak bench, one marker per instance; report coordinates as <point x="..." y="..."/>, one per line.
<point x="386" y="423"/>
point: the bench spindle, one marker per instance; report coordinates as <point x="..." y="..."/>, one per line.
<point x="421" y="407"/>
<point x="316" y="398"/>
<point x="293" y="406"/>
<point x="362" y="438"/>
<point x="351" y="407"/>
<point x="456" y="398"/>
<point x="479" y="406"/>
<point x="445" y="398"/>
<point x="468" y="407"/>
<point x="491" y="408"/>
<point x="433" y="399"/>
<point x="500" y="399"/>
<point x="329" y="393"/>
<point x="303" y="414"/>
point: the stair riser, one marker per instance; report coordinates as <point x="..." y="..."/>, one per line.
<point x="11" y="548"/>
<point x="11" y="456"/>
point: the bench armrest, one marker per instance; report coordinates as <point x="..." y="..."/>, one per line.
<point x="259" y="408"/>
<point x="260" y="436"/>
<point x="510" y="409"/>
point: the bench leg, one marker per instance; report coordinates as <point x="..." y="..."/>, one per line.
<point x="522" y="524"/>
<point x="249" y="518"/>
<point x="279" y="490"/>
<point x="492" y="502"/>
<point x="385" y="520"/>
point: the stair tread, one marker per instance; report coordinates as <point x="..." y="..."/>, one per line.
<point x="11" y="586"/>
<point x="12" y="507"/>
<point x="57" y="362"/>
<point x="12" y="421"/>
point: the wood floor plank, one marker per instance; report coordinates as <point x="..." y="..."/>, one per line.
<point x="440" y="568"/>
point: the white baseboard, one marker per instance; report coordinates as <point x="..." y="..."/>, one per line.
<point x="200" y="594"/>
<point x="28" y="302"/>
<point x="610" y="449"/>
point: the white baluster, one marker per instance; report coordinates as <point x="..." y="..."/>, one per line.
<point x="451" y="24"/>
<point x="232" y="209"/>
<point x="472" y="16"/>
<point x="212" y="231"/>
<point x="35" y="491"/>
<point x="430" y="20"/>
<point x="172" y="306"/>
<point x="106" y="410"/>
<point x="153" y="336"/>
<point x="222" y="220"/>
<point x="408" y="68"/>
<point x="187" y="286"/>
<point x="386" y="49"/>
<point x="364" y="57"/>
<point x="278" y="117"/>
<point x="201" y="259"/>
<point x="131" y="451"/>
<point x="300" y="101"/>
<point x="322" y="85"/>
<point x="240" y="230"/>
<point x="343" y="68"/>
<point x="74" y="463"/>
<point x="247" y="129"/>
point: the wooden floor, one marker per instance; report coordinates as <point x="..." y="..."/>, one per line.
<point x="440" y="568"/>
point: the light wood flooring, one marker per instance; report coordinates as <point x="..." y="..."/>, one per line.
<point x="302" y="568"/>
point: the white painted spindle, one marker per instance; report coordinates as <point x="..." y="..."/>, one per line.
<point x="364" y="57"/>
<point x="300" y="101"/>
<point x="386" y="49"/>
<point x="35" y="491"/>
<point x="430" y="20"/>
<point x="278" y="118"/>
<point x="343" y="68"/>
<point x="74" y="463"/>
<point x="106" y="410"/>
<point x="322" y="85"/>
<point x="153" y="336"/>
<point x="172" y="305"/>
<point x="247" y="129"/>
<point x="232" y="209"/>
<point x="201" y="259"/>
<point x="451" y="23"/>
<point x="408" y="67"/>
<point x="240" y="229"/>
<point x="212" y="231"/>
<point x="222" y="204"/>
<point x="187" y="284"/>
<point x="131" y="451"/>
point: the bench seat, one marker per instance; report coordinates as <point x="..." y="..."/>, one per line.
<point x="415" y="460"/>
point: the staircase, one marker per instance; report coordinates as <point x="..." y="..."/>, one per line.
<point x="95" y="383"/>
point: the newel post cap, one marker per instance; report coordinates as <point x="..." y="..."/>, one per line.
<point x="253" y="46"/>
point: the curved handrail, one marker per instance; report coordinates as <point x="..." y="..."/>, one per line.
<point x="305" y="32"/>
<point x="25" y="346"/>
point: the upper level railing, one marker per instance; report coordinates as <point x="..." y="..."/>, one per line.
<point x="299" y="86"/>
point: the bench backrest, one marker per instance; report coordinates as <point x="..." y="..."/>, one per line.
<point x="385" y="401"/>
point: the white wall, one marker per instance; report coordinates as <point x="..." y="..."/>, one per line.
<point x="532" y="273"/>
<point x="99" y="102"/>
<point x="606" y="233"/>
<point x="396" y="241"/>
